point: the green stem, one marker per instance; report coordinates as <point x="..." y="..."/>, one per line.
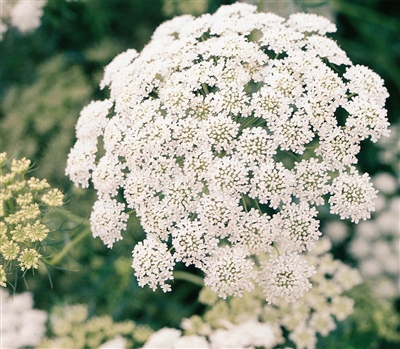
<point x="247" y="122"/>
<point x="11" y="206"/>
<point x="74" y="218"/>
<point x="260" y="5"/>
<point x="58" y="257"/>
<point x="205" y="89"/>
<point x="276" y="248"/>
<point x="292" y="155"/>
<point x="244" y="203"/>
<point x="194" y="279"/>
<point x="258" y="206"/>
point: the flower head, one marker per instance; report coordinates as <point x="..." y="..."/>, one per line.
<point x="223" y="136"/>
<point x="228" y="272"/>
<point x="20" y="166"/>
<point x="9" y="250"/>
<point x="53" y="198"/>
<point x="153" y="263"/>
<point x="352" y="195"/>
<point x="28" y="259"/>
<point x="285" y="276"/>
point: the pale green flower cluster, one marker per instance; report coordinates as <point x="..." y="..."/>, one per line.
<point x="24" y="204"/>
<point x="71" y="327"/>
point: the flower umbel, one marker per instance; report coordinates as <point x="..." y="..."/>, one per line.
<point x="224" y="131"/>
<point x="24" y="204"/>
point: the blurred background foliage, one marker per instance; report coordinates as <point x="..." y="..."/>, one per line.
<point x="48" y="75"/>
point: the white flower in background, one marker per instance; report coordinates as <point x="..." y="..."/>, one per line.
<point x="337" y="231"/>
<point x="193" y="341"/>
<point x="390" y="148"/>
<point x="25" y="15"/>
<point x="249" y="334"/>
<point x="304" y="337"/>
<point x="117" y="343"/>
<point x="21" y="325"/>
<point x="3" y="29"/>
<point x="164" y="338"/>
<point x="385" y="183"/>
<point x="222" y="136"/>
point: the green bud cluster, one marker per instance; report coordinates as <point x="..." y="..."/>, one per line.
<point x="24" y="203"/>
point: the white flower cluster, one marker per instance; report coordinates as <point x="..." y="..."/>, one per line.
<point x="235" y="322"/>
<point x="21" y="325"/>
<point x="25" y="15"/>
<point x="223" y="135"/>
<point x="21" y="14"/>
